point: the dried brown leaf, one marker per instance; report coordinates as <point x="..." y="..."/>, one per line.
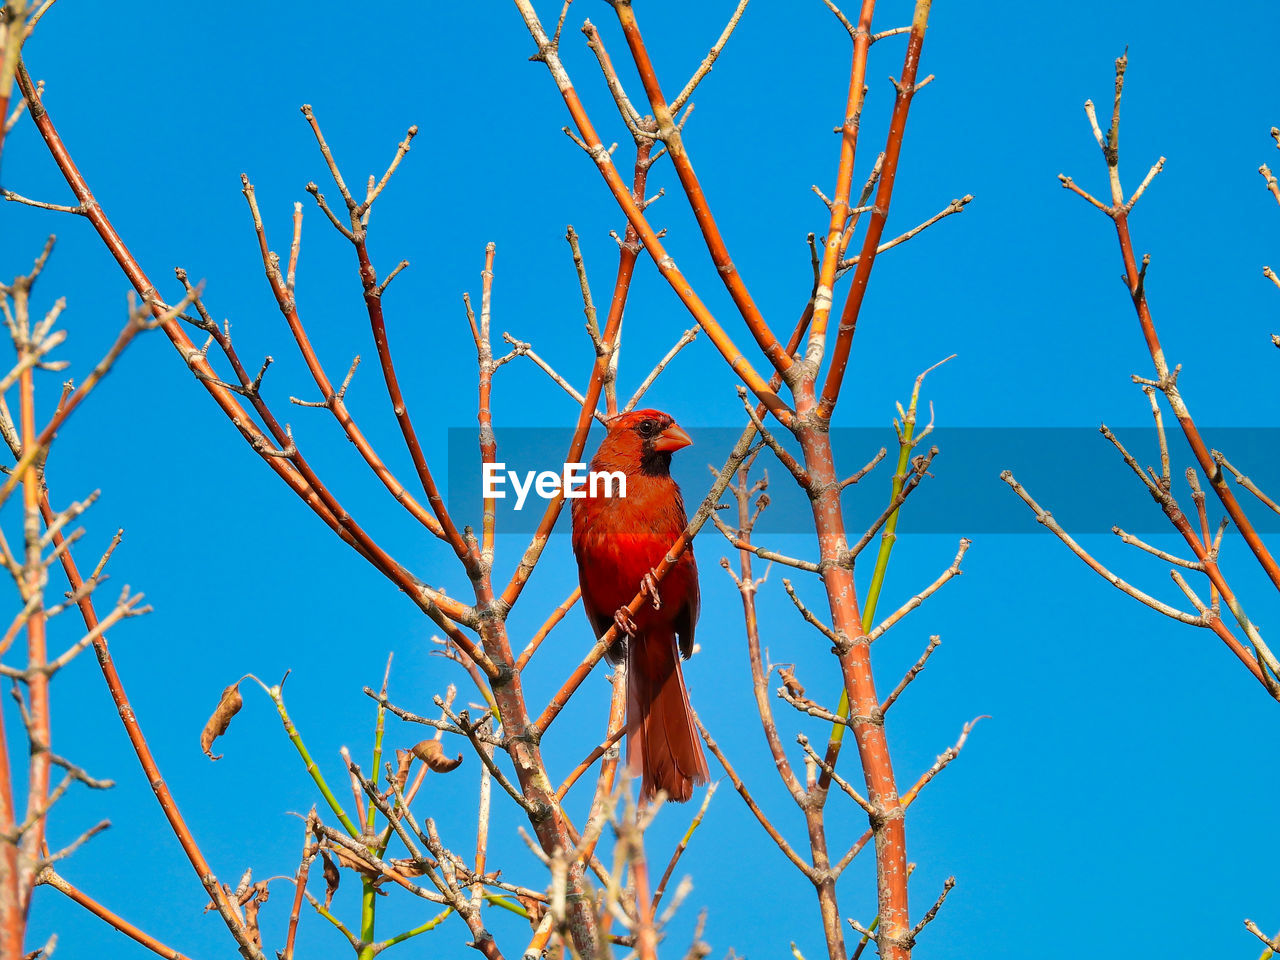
<point x="431" y="752"/>
<point x="331" y="878"/>
<point x="408" y="867"/>
<point x="229" y="705"/>
<point x="352" y="861"/>
<point x="259" y="896"/>
<point x="794" y="686"/>
<point x="404" y="760"/>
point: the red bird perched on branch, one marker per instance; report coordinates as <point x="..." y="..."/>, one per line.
<point x="618" y="542"/>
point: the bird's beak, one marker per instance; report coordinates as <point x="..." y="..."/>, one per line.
<point x="672" y="438"/>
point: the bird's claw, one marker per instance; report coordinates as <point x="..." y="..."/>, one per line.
<point x="649" y="588"/>
<point x="622" y="618"/>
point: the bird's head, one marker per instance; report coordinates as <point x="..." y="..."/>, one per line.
<point x="643" y="440"/>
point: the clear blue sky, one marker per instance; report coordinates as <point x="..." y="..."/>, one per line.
<point x="1113" y="803"/>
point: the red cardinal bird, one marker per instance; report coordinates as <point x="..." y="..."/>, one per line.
<point x="618" y="542"/>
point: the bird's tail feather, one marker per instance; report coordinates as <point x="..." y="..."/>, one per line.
<point x="663" y="746"/>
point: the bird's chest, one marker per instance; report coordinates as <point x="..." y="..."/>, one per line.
<point x="618" y="541"/>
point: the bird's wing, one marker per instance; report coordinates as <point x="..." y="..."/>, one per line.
<point x="687" y="618"/>
<point x="600" y="623"/>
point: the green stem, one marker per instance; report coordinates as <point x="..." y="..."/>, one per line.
<point x="321" y="909"/>
<point x="888" y="537"/>
<point x="377" y="750"/>
<point x="368" y="904"/>
<point x="500" y="901"/>
<point x="369" y="894"/>
<point x="862" y="944"/>
<point x="277" y="697"/>
<point x="431" y="924"/>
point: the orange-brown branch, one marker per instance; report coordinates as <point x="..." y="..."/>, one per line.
<point x="670" y="134"/>
<point x="335" y="400"/>
<point x="294" y="470"/>
<point x="906" y="87"/>
<point x="38" y="724"/>
<point x="556" y="616"/>
<point x="548" y="53"/>
<point x="1204" y="457"/>
<point x="168" y="806"/>
<point x="837" y="237"/>
<point x="358" y="235"/>
<point x="601" y="371"/>
<point x="78" y="896"/>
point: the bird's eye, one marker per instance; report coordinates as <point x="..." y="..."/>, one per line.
<point x="648" y="428"/>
